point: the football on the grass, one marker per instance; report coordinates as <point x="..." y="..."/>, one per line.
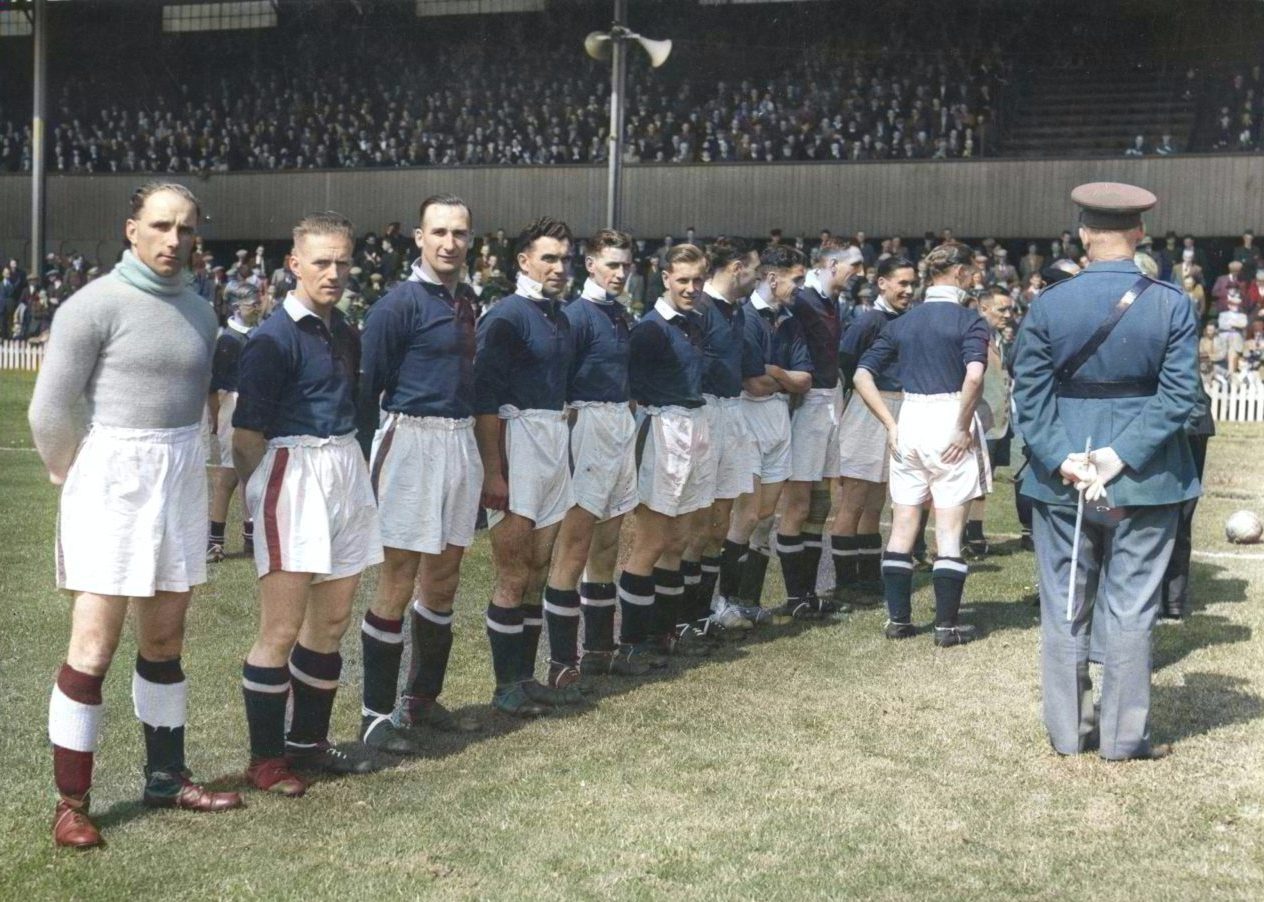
<point x="1244" y="528"/>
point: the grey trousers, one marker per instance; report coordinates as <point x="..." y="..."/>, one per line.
<point x="1120" y="574"/>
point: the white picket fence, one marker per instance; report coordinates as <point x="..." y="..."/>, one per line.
<point x="1237" y="403"/>
<point x="18" y="355"/>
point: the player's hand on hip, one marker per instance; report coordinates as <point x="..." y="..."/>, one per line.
<point x="958" y="445"/>
<point x="495" y="492"/>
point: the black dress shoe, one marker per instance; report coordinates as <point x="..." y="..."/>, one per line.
<point x="340" y="760"/>
<point x="957" y="634"/>
<point x="1156" y="752"/>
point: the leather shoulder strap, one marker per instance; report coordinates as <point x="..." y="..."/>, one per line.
<point x="1068" y="370"/>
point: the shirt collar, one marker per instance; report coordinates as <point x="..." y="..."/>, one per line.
<point x="530" y="288"/>
<point x="880" y="303"/>
<point x="595" y="293"/>
<point x="666" y="310"/>
<point x="295" y="308"/>
<point x="944" y="294"/>
<point x="813" y="280"/>
<point x="758" y="301"/>
<point x="422" y="273"/>
<point x="1113" y="266"/>
<point x="238" y="326"/>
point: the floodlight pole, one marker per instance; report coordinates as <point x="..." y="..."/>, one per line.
<point x="618" y="88"/>
<point x="39" y="112"/>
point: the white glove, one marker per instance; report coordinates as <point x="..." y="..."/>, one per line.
<point x="1077" y="471"/>
<point x="1108" y="466"/>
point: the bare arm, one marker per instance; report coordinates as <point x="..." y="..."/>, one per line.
<point x="867" y="389"/>
<point x="963" y="434"/>
<point x="212" y="410"/>
<point x="495" y="486"/>
<point x="249" y="447"/>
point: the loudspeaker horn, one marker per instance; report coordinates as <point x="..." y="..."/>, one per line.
<point x="658" y="50"/>
<point x="597" y="45"/>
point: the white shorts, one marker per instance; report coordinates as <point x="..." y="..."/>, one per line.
<point x="919" y="473"/>
<point x="862" y="442"/>
<point x="603" y="459"/>
<point x="732" y="448"/>
<point x="427" y="476"/>
<point x="768" y="421"/>
<point x="313" y="508"/>
<point x="534" y="446"/>
<point x="672" y="444"/>
<point x="814" y="436"/>
<point x="132" y="515"/>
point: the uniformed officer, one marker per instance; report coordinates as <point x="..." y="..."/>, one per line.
<point x="1090" y="369"/>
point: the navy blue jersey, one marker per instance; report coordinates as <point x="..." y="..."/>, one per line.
<point x="523" y="356"/>
<point x="772" y="337"/>
<point x="862" y="333"/>
<point x="298" y="376"/>
<point x="600" y="334"/>
<point x="931" y="345"/>
<point x="723" y="325"/>
<point x="667" y="358"/>
<point x="226" y="363"/>
<point x="417" y="354"/>
<point x="818" y="317"/>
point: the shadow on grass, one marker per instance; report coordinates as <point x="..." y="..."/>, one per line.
<point x="1206" y="701"/>
<point x="1208" y="587"/>
<point x="1176" y="641"/>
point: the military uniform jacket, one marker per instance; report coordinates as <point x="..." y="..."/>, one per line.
<point x="1154" y="343"/>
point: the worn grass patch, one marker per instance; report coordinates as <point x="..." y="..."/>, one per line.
<point x="823" y="762"/>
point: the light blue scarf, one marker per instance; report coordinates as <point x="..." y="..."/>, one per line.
<point x="135" y="273"/>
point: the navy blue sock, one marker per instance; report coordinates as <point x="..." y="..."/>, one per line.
<point x="598" y="603"/>
<point x="504" y="634"/>
<point x="313" y="684"/>
<point x="897" y="586"/>
<point x="669" y="594"/>
<point x="949" y="578"/>
<point x="561" y="610"/>
<point x="636" y="604"/>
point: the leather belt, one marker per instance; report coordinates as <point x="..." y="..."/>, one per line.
<point x="1128" y="388"/>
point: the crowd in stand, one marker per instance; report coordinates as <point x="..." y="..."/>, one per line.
<point x="305" y="108"/>
<point x="1229" y="298"/>
<point x="1239" y="100"/>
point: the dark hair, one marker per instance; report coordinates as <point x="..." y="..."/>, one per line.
<point x="544" y="227"/>
<point x="441" y="200"/>
<point x="147" y="190"/>
<point x="684" y="253"/>
<point x="724" y="251"/>
<point x="888" y="265"/>
<point x="946" y="256"/>
<point x="611" y="238"/>
<point x="780" y="256"/>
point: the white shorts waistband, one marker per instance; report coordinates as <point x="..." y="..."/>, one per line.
<point x="439" y="424"/>
<point x="600" y="405"/>
<point x="717" y="401"/>
<point x="161" y="436"/>
<point x="311" y="441"/>
<point x="777" y="396"/>
<point x="932" y="399"/>
<point x="672" y="409"/>
<point x="509" y="412"/>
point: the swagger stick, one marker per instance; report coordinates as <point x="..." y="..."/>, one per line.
<point x="1075" y="545"/>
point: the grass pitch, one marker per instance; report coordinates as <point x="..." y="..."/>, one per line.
<point x="823" y="762"/>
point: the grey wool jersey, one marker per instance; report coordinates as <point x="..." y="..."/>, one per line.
<point x="137" y="359"/>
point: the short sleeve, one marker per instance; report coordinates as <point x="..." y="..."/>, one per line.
<point x="262" y="377"/>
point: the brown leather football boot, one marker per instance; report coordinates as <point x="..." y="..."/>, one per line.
<point x="72" y="829"/>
